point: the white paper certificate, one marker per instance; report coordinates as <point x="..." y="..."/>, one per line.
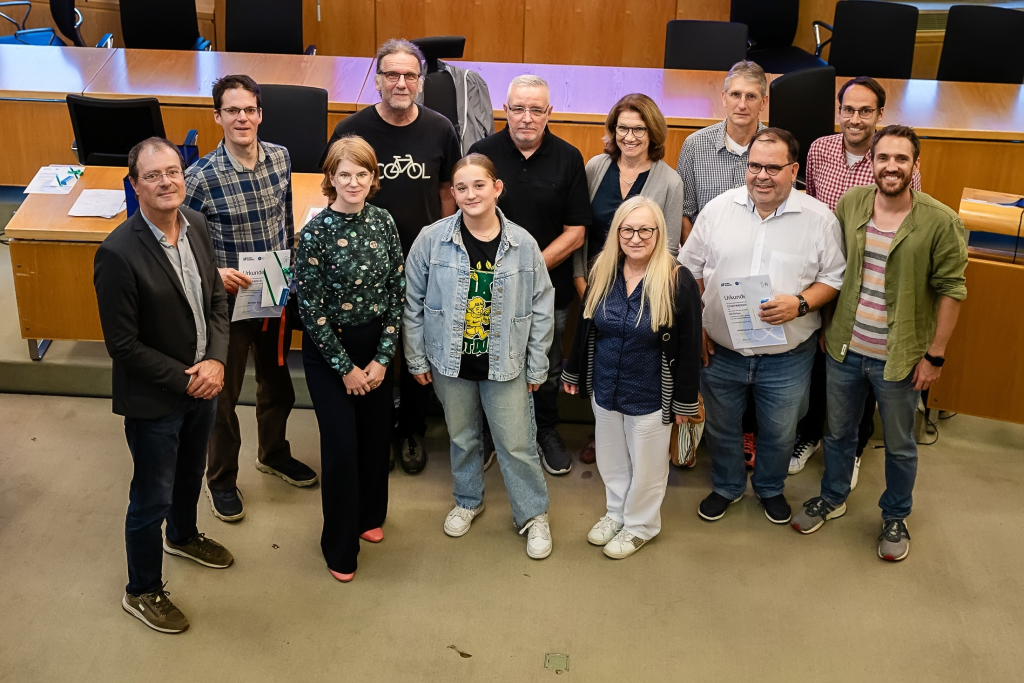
<point x="249" y="301"/>
<point x="745" y="328"/>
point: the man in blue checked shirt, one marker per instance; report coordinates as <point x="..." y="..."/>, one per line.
<point x="244" y="189"/>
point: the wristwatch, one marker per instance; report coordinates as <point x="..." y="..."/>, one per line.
<point x="937" y="361"/>
<point x="804" y="306"/>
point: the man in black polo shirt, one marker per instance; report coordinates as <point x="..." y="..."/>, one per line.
<point x="545" y="193"/>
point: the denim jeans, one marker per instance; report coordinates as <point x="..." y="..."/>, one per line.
<point x="545" y="400"/>
<point x="848" y="383"/>
<point x="509" y="410"/>
<point x="170" y="458"/>
<point x="779" y="385"/>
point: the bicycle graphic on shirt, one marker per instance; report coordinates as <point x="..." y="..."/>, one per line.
<point x="404" y="165"/>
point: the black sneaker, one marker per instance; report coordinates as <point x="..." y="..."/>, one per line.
<point x="894" y="541"/>
<point x="776" y="509"/>
<point x="292" y="471"/>
<point x="156" y="611"/>
<point x="714" y="506"/>
<point x="553" y="456"/>
<point x="226" y="504"/>
<point x="412" y="456"/>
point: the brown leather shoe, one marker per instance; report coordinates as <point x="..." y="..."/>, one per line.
<point x="588" y="456"/>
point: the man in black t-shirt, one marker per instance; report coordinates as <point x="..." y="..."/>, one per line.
<point x="416" y="149"/>
<point x="545" y="193"/>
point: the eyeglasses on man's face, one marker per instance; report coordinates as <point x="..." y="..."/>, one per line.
<point x="393" y="76"/>
<point x="645" y="233"/>
<point x="233" y="112"/>
<point x="771" y="169"/>
<point x="848" y="112"/>
<point x="535" y="112"/>
<point x="637" y="131"/>
<point x="155" y="176"/>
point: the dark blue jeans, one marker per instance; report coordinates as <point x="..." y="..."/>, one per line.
<point x="848" y="383"/>
<point x="779" y="384"/>
<point x="170" y="458"/>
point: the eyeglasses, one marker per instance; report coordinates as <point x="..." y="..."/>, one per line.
<point x="645" y="233"/>
<point x="736" y="96"/>
<point x="361" y="177"/>
<point x="637" y="131"/>
<point x="155" y="176"/>
<point x="393" y="76"/>
<point x="848" y="112"/>
<point x="235" y="111"/>
<point x="771" y="169"/>
<point x="535" y="112"/>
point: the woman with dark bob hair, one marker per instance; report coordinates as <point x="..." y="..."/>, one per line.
<point x="351" y="285"/>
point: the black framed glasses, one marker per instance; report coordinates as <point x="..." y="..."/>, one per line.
<point x="235" y="111"/>
<point x="771" y="169"/>
<point x="645" y="233"/>
<point x="637" y="131"/>
<point x="848" y="112"/>
<point x="393" y="76"/>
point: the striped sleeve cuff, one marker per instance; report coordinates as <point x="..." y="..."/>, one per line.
<point x="570" y="378"/>
<point x="687" y="409"/>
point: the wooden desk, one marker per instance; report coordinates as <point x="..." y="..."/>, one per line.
<point x="34" y="121"/>
<point x="52" y="256"/>
<point x="183" y="82"/>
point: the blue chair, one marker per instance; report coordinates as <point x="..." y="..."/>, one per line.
<point x="67" y="18"/>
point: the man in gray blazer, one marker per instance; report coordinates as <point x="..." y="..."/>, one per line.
<point x="165" y="321"/>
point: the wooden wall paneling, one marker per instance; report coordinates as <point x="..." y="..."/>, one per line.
<point x="811" y="11"/>
<point x="178" y="120"/>
<point x="981" y="377"/>
<point x="927" y="50"/>
<point x="493" y="28"/>
<point x="48" y="138"/>
<point x="346" y="28"/>
<point x="948" y="166"/>
<point x="596" y="32"/>
<point x="50" y="274"/>
<point x="703" y="10"/>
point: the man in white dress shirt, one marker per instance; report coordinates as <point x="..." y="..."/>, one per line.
<point x="764" y="228"/>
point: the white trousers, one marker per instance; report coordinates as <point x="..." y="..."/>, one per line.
<point x="632" y="457"/>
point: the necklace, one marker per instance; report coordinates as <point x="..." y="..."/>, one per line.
<point x="486" y="238"/>
<point x="629" y="183"/>
<point x="634" y="277"/>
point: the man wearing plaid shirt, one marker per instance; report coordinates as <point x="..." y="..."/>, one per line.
<point x="244" y="189"/>
<point x="835" y="163"/>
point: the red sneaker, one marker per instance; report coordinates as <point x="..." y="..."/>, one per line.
<point x="344" y="578"/>
<point x="749" y="449"/>
<point x="373" y="535"/>
<point x="589" y="453"/>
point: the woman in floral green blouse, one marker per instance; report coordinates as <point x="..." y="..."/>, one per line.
<point x="351" y="287"/>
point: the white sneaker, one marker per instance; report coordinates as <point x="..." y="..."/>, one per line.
<point x="802" y="452"/>
<point x="459" y="519"/>
<point x="623" y="545"/>
<point x="604" y="531"/>
<point x="856" y="474"/>
<point x="538" y="542"/>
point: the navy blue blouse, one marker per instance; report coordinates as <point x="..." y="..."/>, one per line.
<point x="606" y="202"/>
<point x="627" y="354"/>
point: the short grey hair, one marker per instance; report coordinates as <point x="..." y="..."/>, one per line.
<point x="750" y="71"/>
<point x="528" y="81"/>
<point x="402" y="46"/>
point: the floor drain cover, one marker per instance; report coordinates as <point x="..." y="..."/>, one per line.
<point x="554" y="661"/>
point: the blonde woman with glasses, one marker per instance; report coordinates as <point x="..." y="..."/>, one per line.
<point x="636" y="354"/>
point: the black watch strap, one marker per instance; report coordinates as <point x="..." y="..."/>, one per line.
<point x="804" y="306"/>
<point x="937" y="361"/>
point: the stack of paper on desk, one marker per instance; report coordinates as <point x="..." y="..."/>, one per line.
<point x="54" y="179"/>
<point x="102" y="203"/>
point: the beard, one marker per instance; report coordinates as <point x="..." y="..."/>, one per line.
<point x="888" y="191"/>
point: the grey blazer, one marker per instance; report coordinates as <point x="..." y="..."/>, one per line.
<point x="663" y="185"/>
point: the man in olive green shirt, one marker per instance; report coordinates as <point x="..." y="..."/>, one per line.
<point x="905" y="261"/>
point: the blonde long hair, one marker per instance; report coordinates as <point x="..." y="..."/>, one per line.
<point x="659" y="282"/>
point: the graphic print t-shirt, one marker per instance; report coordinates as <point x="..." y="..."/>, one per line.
<point x="414" y="160"/>
<point x="477" y="332"/>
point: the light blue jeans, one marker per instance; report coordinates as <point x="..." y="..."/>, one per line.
<point x="848" y="384"/>
<point x="780" y="383"/>
<point x="509" y="410"/>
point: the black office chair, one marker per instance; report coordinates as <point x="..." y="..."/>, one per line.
<point x="982" y="45"/>
<point x="889" y="24"/>
<point x="295" y="117"/>
<point x="803" y="102"/>
<point x="438" y="87"/>
<point x="105" y="130"/>
<point x="265" y="26"/>
<point x="65" y="16"/>
<point x="163" y="25"/>
<point x="772" y="27"/>
<point x="704" y="45"/>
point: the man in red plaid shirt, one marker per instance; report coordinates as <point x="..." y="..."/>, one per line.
<point x="835" y="163"/>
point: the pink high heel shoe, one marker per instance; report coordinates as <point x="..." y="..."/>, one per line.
<point x="373" y="535"/>
<point x="344" y="578"/>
